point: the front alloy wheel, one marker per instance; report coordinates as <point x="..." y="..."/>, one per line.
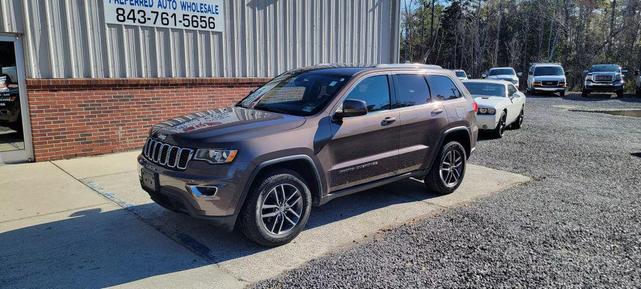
<point x="281" y="209"/>
<point x="277" y="208"/>
<point x="500" y="127"/>
<point x="519" y="120"/>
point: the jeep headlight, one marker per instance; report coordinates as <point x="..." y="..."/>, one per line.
<point x="215" y="156"/>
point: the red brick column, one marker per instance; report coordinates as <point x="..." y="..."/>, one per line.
<point x="82" y="117"/>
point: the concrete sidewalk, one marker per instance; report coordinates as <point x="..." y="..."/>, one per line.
<point x="86" y="223"/>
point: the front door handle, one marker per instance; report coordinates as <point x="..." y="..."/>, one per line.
<point x="437" y="111"/>
<point x="388" y="120"/>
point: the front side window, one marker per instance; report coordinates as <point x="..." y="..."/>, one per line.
<point x="511" y="90"/>
<point x="374" y="91"/>
<point x="442" y="87"/>
<point x="412" y="90"/>
<point x="297" y="93"/>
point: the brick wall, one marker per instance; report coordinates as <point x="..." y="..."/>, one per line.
<point x="82" y="117"/>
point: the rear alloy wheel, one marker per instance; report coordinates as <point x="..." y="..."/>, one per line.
<point x="277" y="209"/>
<point x="519" y="121"/>
<point x="448" y="170"/>
<point x="500" y="127"/>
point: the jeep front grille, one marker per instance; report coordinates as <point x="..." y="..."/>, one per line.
<point x="550" y="83"/>
<point x="167" y="155"/>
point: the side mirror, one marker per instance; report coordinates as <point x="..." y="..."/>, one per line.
<point x="624" y="71"/>
<point x="483" y="75"/>
<point x="519" y="74"/>
<point x="351" y="108"/>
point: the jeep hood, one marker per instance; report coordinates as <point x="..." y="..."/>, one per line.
<point x="225" y="124"/>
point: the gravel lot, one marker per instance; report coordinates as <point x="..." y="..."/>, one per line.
<point x="578" y="224"/>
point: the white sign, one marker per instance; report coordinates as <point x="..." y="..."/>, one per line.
<point x="183" y="14"/>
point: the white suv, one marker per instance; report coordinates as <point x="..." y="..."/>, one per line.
<point x="546" y="77"/>
<point x="503" y="73"/>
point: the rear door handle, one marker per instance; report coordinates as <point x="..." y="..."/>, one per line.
<point x="388" y="120"/>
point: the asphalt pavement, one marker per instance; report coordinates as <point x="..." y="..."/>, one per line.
<point x="577" y="224"/>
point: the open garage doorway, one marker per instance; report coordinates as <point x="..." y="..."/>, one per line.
<point x="15" y="133"/>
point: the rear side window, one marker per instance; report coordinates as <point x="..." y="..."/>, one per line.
<point x="411" y="90"/>
<point x="442" y="87"/>
<point x="374" y="91"/>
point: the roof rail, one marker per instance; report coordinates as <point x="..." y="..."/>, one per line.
<point x="409" y="65"/>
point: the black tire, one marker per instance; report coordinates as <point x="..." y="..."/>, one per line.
<point x="251" y="222"/>
<point x="562" y="93"/>
<point x="639" y="92"/>
<point x="435" y="180"/>
<point x="585" y="93"/>
<point x="519" y="121"/>
<point x="500" y="127"/>
<point x="619" y="94"/>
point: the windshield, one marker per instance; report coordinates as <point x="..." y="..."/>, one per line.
<point x="502" y="71"/>
<point x="460" y="73"/>
<point x="548" y="70"/>
<point x="487" y="89"/>
<point x="604" y="68"/>
<point x="296" y="93"/>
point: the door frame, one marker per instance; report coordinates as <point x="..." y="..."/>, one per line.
<point x="27" y="153"/>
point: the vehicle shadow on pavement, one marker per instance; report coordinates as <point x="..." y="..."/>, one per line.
<point x="96" y="248"/>
<point x="218" y="245"/>
<point x="91" y="248"/>
<point x="602" y="97"/>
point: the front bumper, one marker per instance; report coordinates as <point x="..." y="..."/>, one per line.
<point x="486" y="121"/>
<point x="173" y="189"/>
<point x="548" y="89"/>
<point x="604" y="87"/>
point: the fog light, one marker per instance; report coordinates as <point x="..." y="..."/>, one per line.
<point x="202" y="191"/>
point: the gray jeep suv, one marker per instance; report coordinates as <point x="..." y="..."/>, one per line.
<point x="306" y="137"/>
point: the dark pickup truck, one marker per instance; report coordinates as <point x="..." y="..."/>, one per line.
<point x="604" y="78"/>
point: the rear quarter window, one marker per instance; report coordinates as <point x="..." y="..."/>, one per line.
<point x="442" y="87"/>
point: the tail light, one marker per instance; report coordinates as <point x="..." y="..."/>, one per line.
<point x="475" y="106"/>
